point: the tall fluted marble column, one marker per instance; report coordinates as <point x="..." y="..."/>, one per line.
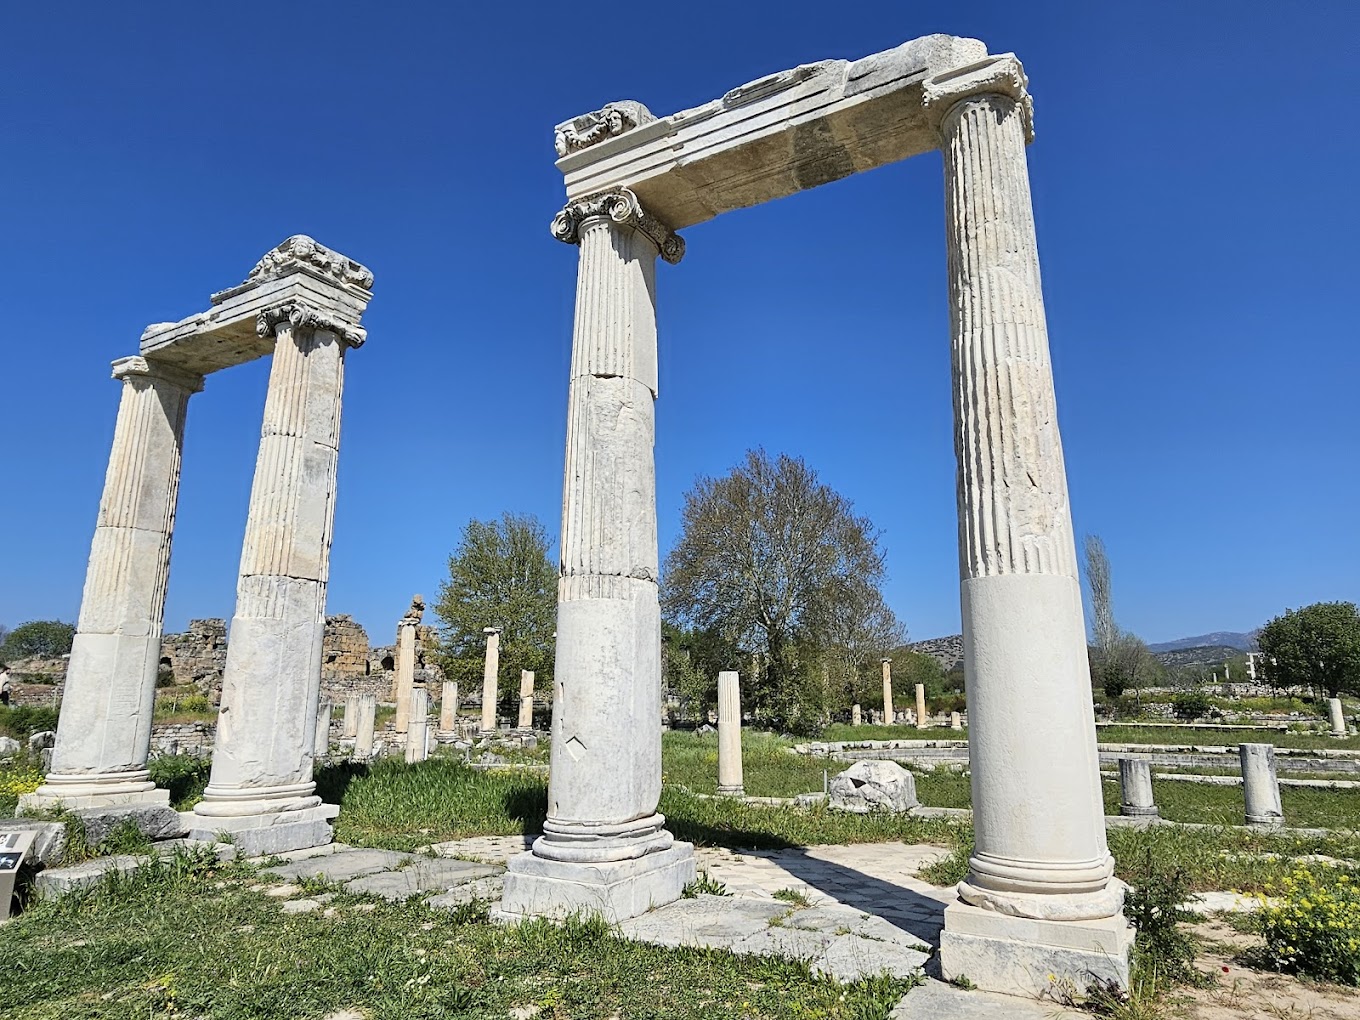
<point x="604" y="846"/>
<point x="261" y="787"/>
<point x="1037" y="810"/>
<point x="730" y="780"/>
<point x="889" y="716"/>
<point x="491" y="673"/>
<point x="104" y="732"/>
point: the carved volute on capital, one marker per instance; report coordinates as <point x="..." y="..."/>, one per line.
<point x="301" y="315"/>
<point x="591" y="128"/>
<point x="623" y="207"/>
<point x="303" y="250"/>
<point x="996" y="75"/>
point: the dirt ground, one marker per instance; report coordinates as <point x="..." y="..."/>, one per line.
<point x="1245" y="994"/>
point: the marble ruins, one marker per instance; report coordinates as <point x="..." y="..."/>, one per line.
<point x="1041" y="898"/>
<point x="302" y="304"/>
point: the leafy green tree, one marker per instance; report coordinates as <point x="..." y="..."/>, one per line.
<point x="499" y="576"/>
<point x="774" y="562"/>
<point x="690" y="663"/>
<point x="1191" y="705"/>
<point x="1316" y="647"/>
<point x="46" y="638"/>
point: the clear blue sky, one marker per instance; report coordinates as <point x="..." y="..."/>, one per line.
<point x="1194" y="183"/>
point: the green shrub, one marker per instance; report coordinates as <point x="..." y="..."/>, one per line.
<point x="1313" y="928"/>
<point x="1153" y="907"/>
<point x="1190" y="705"/>
<point x="22" y="721"/>
<point x="184" y="775"/>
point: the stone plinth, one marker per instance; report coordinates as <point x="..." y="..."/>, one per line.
<point x="729" y="735"/>
<point x="1025" y="956"/>
<point x="104" y="732"/>
<point x="490" y="678"/>
<point x="1135" y="788"/>
<point x="616" y="890"/>
<point x="955" y="721"/>
<point x="1260" y="787"/>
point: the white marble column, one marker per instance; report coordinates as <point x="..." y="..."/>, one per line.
<point x="448" y="712"/>
<point x="1135" y="788"/>
<point x="1338" y="717"/>
<point x="417" y="736"/>
<point x="349" y="725"/>
<point x="889" y="716"/>
<point x="526" y="699"/>
<point x="406" y="672"/>
<point x="322" y="747"/>
<point x="1260" y="785"/>
<point x="856" y="719"/>
<point x="604" y="846"/>
<point x="104" y="732"/>
<point x="921" y="720"/>
<point x="491" y="669"/>
<point x="1037" y="808"/>
<point x="261" y="787"/>
<point x="366" y="718"/>
<point x="730" y="780"/>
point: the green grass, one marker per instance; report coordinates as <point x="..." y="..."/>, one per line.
<point x="190" y="939"/>
<point x="1230" y="738"/>
<point x="843" y="731"/>
<point x="769" y="768"/>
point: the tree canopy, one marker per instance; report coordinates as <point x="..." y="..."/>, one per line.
<point x="46" y="638"/>
<point x="770" y="562"/>
<point x="1317" y="647"/>
<point x="499" y="576"/>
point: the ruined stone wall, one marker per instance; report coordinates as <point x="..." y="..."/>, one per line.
<point x="344" y="649"/>
<point x="198" y="656"/>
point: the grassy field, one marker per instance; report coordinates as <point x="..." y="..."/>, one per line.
<point x="1230" y="738"/>
<point x="843" y="731"/>
<point x="193" y="939"/>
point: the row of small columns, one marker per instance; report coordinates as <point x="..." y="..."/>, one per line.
<point x="1260" y="787"/>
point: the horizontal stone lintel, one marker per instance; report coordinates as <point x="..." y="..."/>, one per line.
<point x="781" y="134"/>
<point x="225" y="335"/>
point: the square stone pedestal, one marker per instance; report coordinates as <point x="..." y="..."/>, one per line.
<point x="262" y="835"/>
<point x="42" y="803"/>
<point x="1024" y="956"/>
<point x="616" y="890"/>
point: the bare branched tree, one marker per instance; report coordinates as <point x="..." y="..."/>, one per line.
<point x="1102" y="608"/>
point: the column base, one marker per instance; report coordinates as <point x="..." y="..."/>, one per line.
<point x="42" y="802"/>
<point x="1024" y="956"/>
<point x="731" y="791"/>
<point x="1131" y="811"/>
<point x="277" y="832"/>
<point x="616" y="890"/>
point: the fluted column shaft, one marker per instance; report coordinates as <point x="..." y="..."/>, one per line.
<point x="730" y="779"/>
<point x="1037" y="810"/>
<point x="263" y="758"/>
<point x="491" y="672"/>
<point x="104" y="733"/>
<point x="406" y="674"/>
<point x="606" y="749"/>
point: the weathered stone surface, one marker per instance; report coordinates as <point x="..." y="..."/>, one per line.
<point x="198" y="656"/>
<point x="42" y="740"/>
<point x="490" y="678"/>
<point x="341" y="866"/>
<point x="421" y="876"/>
<point x="344" y="650"/>
<point x="713" y="921"/>
<point x="936" y="1000"/>
<point x="873" y="786"/>
<point x="538" y="886"/>
<point x="486" y="890"/>
<point x="8" y="745"/>
<point x="155" y="822"/>
<point x="852" y="957"/>
<point x="56" y="882"/>
<point x="729" y="734"/>
<point x="1260" y="785"/>
<point x="49" y="842"/>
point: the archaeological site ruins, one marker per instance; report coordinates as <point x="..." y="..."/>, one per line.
<point x="1041" y="898"/>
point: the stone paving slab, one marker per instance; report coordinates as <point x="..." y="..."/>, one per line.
<point x="936" y="1000"/>
<point x="60" y="881"/>
<point x="487" y="890"/>
<point x="423" y="876"/>
<point x="341" y="866"/>
<point x="712" y="921"/>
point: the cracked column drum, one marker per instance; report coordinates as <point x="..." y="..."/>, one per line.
<point x="262" y="763"/>
<point x="1037" y="810"/>
<point x="104" y="733"/>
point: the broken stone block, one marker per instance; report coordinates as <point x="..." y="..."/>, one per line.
<point x="874" y="786"/>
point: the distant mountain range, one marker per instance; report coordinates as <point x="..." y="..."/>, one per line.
<point x="1243" y="642"/>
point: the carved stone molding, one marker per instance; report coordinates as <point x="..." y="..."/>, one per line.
<point x="191" y="382"/>
<point x="304" y="316"/>
<point x="302" y="249"/>
<point x="623" y="207"/>
<point x="998" y="75"/>
<point x="591" y="128"/>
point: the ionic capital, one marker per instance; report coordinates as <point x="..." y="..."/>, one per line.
<point x="301" y="315"/>
<point x="138" y="367"/>
<point x="622" y="207"/>
<point x="999" y="75"/>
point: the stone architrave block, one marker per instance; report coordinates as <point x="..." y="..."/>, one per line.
<point x="155" y="822"/>
<point x="874" y="785"/>
<point x="616" y="890"/>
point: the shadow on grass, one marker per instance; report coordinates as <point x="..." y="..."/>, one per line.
<point x="332" y="780"/>
<point x="529" y="806"/>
